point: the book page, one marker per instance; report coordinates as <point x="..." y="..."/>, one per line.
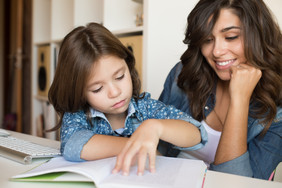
<point x="94" y="170"/>
<point x="170" y="172"/>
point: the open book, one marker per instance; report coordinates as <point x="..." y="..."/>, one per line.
<point x="170" y="172"/>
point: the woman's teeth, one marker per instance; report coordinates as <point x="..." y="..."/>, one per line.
<point x="224" y="62"/>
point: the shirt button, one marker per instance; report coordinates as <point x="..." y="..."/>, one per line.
<point x="206" y="107"/>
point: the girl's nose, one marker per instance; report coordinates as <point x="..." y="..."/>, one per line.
<point x="114" y="91"/>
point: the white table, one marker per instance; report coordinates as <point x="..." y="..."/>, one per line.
<point x="10" y="168"/>
<point x="213" y="179"/>
<point x="223" y="180"/>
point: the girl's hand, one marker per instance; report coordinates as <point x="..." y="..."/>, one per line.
<point x="141" y="144"/>
<point x="244" y="79"/>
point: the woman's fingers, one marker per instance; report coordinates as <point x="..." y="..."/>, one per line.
<point x="244" y="79"/>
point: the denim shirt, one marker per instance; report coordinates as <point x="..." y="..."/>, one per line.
<point x="76" y="130"/>
<point x="263" y="153"/>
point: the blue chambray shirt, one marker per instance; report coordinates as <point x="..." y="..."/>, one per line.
<point x="76" y="130"/>
<point x="263" y="154"/>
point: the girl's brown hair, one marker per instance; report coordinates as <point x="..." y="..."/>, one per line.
<point x="263" y="49"/>
<point x="79" y="50"/>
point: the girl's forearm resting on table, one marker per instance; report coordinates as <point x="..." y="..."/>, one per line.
<point x="183" y="134"/>
<point x="179" y="133"/>
<point x="102" y="146"/>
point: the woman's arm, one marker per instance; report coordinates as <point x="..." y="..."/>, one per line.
<point x="144" y="141"/>
<point x="233" y="141"/>
<point x="263" y="154"/>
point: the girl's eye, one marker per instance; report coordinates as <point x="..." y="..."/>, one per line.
<point x="120" y="77"/>
<point x="232" y="38"/>
<point x="97" y="90"/>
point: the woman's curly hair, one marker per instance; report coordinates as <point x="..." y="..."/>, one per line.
<point x="262" y="48"/>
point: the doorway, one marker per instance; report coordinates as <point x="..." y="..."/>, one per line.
<point x="16" y="64"/>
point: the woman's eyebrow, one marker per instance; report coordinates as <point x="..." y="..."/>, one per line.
<point x="229" y="28"/>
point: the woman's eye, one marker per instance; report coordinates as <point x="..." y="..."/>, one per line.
<point x="97" y="90"/>
<point x="232" y="38"/>
<point x="120" y="77"/>
<point x="208" y="40"/>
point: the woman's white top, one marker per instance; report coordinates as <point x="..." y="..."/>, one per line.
<point x="207" y="153"/>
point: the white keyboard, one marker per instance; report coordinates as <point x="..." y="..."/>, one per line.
<point x="24" y="151"/>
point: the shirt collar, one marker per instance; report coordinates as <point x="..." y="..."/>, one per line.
<point x="95" y="113"/>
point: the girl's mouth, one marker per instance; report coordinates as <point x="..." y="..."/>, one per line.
<point x="119" y="104"/>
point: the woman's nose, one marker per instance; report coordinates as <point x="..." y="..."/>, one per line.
<point x="219" y="48"/>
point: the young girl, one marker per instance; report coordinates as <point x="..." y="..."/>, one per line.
<point x="95" y="91"/>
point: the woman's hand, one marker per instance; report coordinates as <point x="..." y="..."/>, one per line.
<point x="244" y="79"/>
<point x="141" y="144"/>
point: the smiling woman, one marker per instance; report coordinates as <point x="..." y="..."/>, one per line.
<point x="230" y="79"/>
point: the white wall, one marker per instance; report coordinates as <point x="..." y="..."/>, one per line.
<point x="163" y="36"/>
<point x="163" y="41"/>
<point x="275" y="6"/>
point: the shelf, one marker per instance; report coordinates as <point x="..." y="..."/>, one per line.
<point x="121" y="14"/>
<point x="130" y="31"/>
<point x="42" y="43"/>
<point x="58" y="41"/>
<point x="41" y="98"/>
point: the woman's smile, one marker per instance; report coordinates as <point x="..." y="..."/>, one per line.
<point x="224" y="64"/>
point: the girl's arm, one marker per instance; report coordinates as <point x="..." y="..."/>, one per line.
<point x="79" y="142"/>
<point x="102" y="146"/>
<point x="144" y="141"/>
<point x="233" y="141"/>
